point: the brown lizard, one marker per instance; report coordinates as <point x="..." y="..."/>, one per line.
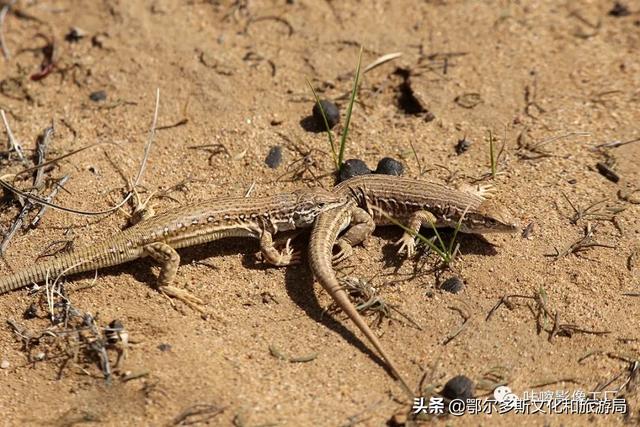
<point x="159" y="236"/>
<point x="408" y="201"/>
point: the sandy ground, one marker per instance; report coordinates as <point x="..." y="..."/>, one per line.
<point x="549" y="79"/>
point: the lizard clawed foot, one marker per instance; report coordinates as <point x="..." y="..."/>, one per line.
<point x="407" y="243"/>
<point x="283" y="258"/>
<point x="344" y="251"/>
<point x="185" y="296"/>
<point x="482" y="190"/>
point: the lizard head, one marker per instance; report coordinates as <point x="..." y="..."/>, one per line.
<point x="312" y="202"/>
<point x="489" y="217"/>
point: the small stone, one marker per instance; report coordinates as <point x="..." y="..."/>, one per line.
<point x="98" y="96"/>
<point x="458" y="387"/>
<point x="5" y="364"/>
<point x="452" y="284"/>
<point x="164" y="347"/>
<point x="618" y="10"/>
<point x="351" y="168"/>
<point x="606" y="171"/>
<point x="39" y="356"/>
<point x="31" y="312"/>
<point x="389" y="166"/>
<point x="75" y="34"/>
<point x="330" y="110"/>
<point x="98" y="40"/>
<point x="274" y="158"/>
<point x="462" y="146"/>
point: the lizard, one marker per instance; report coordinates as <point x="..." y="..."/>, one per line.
<point x="375" y="199"/>
<point x="159" y="236"/>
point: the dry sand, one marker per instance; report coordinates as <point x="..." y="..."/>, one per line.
<point x="233" y="73"/>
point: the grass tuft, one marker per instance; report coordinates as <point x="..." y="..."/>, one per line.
<point x="338" y="158"/>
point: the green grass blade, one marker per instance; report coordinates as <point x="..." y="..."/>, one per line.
<point x="354" y="91"/>
<point x="440" y="241"/>
<point x="457" y="229"/>
<point x="492" y="154"/>
<point x="326" y="125"/>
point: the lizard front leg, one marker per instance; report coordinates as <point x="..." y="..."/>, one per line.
<point x="275" y="257"/>
<point x="360" y="228"/>
<point x="416" y="220"/>
<point x="169" y="260"/>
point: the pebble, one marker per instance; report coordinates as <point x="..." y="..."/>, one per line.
<point x="74" y="35"/>
<point x="351" y="168"/>
<point x="618" y="10"/>
<point x="164" y="347"/>
<point x="606" y="171"/>
<point x="5" y="364"/>
<point x="98" y="96"/>
<point x="458" y="387"/>
<point x="274" y="158"/>
<point x="452" y="284"/>
<point x="462" y="145"/>
<point x="389" y="166"/>
<point x="31" y="312"/>
<point x="330" y="110"/>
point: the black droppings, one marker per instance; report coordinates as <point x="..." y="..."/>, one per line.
<point x="452" y="284"/>
<point x="330" y="110"/>
<point x="389" y="166"/>
<point x="351" y="168"/>
<point x="607" y="172"/>
<point x="462" y="145"/>
<point x="74" y="35"/>
<point x="164" y="347"/>
<point x="274" y="158"/>
<point x="98" y="96"/>
<point x="31" y="312"/>
<point x="458" y="387"/>
<point x="618" y="10"/>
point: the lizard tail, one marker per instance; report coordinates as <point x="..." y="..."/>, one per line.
<point x="39" y="272"/>
<point x="325" y="232"/>
<point x="91" y="258"/>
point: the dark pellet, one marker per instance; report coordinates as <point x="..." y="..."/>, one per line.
<point x="458" y="387"/>
<point x="74" y="35"/>
<point x="164" y="347"/>
<point x="618" y="10"/>
<point x="389" y="166"/>
<point x="452" y="284"/>
<point x="274" y="158"/>
<point x="353" y="167"/>
<point x="31" y="312"/>
<point x="98" y="96"/>
<point x="462" y="145"/>
<point x="607" y="172"/>
<point x="330" y="110"/>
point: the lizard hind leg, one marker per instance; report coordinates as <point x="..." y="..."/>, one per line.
<point x="360" y="228"/>
<point x="169" y="261"/>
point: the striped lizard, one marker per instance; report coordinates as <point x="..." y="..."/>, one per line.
<point x="408" y="201"/>
<point x="159" y="236"/>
